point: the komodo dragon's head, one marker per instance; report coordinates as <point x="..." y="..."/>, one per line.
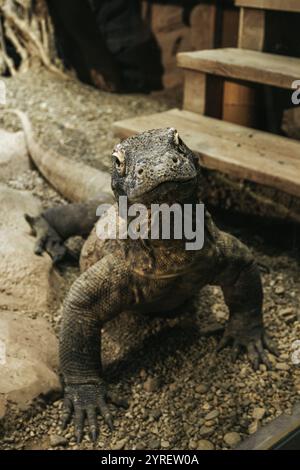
<point x="155" y="166"/>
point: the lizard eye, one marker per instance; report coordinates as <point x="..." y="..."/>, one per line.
<point x="119" y="157"/>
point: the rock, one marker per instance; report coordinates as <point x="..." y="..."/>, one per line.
<point x="156" y="414"/>
<point x="29" y="359"/>
<point x="151" y="385"/>
<point x="282" y="366"/>
<point x="153" y="444"/>
<point x="253" y="427"/>
<point x="286" y="311"/>
<point x="279" y="290"/>
<point x="212" y="415"/>
<point x="165" y="444"/>
<point x="58" y="441"/>
<point x="202" y="388"/>
<point x="140" y="446"/>
<point x="210" y="423"/>
<point x="205" y="445"/>
<point x="14" y="159"/>
<point x="193" y="445"/>
<point x="258" y="413"/>
<point x="232" y="439"/>
<point x="206" y="431"/>
<point x="119" y="445"/>
<point x="27" y="281"/>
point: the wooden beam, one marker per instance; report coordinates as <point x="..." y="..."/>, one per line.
<point x="251" y="29"/>
<point x="281" y="5"/>
<point x="241" y="64"/>
<point x="269" y="436"/>
<point x="194" y="91"/>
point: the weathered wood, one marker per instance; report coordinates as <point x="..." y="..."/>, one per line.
<point x="214" y="96"/>
<point x="245" y="153"/>
<point x="174" y="33"/>
<point x="203" y="94"/>
<point x="240" y="104"/>
<point x="273" y="433"/>
<point x="240" y="100"/>
<point x="251" y="29"/>
<point x="258" y="67"/>
<point x="281" y="5"/>
<point x="194" y="91"/>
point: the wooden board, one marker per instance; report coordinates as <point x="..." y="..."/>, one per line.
<point x="252" y="29"/>
<point x="245" y="153"/>
<point x="281" y="5"/>
<point x="253" y="66"/>
<point x="269" y="436"/>
<point x="174" y="34"/>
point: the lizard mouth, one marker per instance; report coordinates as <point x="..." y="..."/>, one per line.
<point x="167" y="189"/>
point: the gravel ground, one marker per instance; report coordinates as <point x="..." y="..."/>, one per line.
<point x="181" y="394"/>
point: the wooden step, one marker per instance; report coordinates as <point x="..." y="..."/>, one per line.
<point x="253" y="66"/>
<point x="245" y="153"/>
<point x="280" y="5"/>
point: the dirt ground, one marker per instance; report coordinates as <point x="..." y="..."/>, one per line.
<point x="181" y="394"/>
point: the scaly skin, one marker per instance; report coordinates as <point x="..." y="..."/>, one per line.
<point x="152" y="277"/>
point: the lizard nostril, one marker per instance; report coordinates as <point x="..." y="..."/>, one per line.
<point x="140" y="171"/>
<point x="175" y="159"/>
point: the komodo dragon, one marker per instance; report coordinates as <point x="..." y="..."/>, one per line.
<point x="150" y="276"/>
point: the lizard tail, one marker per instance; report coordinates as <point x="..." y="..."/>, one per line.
<point x="75" y="181"/>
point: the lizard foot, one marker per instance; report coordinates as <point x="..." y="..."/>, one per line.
<point x="254" y="340"/>
<point x="85" y="401"/>
<point x="47" y="239"/>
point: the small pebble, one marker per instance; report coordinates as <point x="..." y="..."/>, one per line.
<point x="253" y="427"/>
<point x="212" y="415"/>
<point x="282" y="366"/>
<point x="206" y="431"/>
<point x="232" y="439"/>
<point x="203" y="444"/>
<point x="151" y="385"/>
<point x="258" y="413"/>
<point x="202" y="388"/>
<point x="119" y="445"/>
<point x="58" y="441"/>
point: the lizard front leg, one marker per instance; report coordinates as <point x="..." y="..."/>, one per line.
<point x="242" y="288"/>
<point x="97" y="296"/>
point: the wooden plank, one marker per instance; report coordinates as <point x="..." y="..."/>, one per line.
<point x="252" y="29"/>
<point x="232" y="149"/>
<point x="273" y="433"/>
<point x="194" y="98"/>
<point x="203" y="94"/>
<point x="280" y="5"/>
<point x="253" y="66"/>
<point x="241" y="104"/>
<point x="263" y="142"/>
<point x="174" y="33"/>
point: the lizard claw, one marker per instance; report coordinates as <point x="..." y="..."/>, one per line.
<point x="254" y="342"/>
<point x="85" y="400"/>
